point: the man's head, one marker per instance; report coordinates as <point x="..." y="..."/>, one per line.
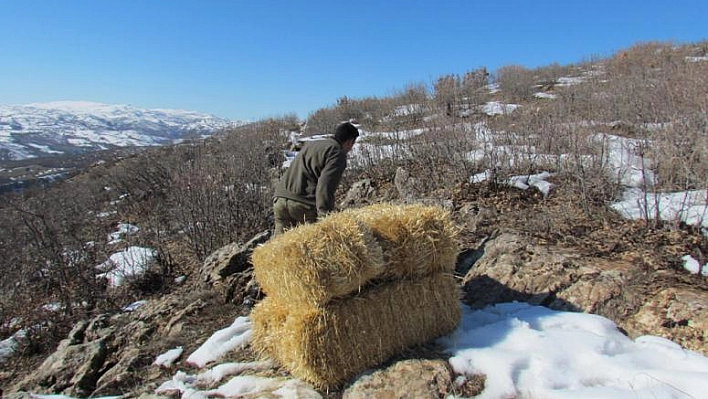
<point x="346" y="134"/>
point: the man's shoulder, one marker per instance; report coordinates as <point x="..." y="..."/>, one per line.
<point x="326" y="145"/>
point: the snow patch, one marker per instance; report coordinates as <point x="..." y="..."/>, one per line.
<point x="223" y="341"/>
<point x="133" y="261"/>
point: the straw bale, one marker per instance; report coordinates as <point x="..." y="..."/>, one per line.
<point x="329" y="344"/>
<point x="316" y="262"/>
<point x="416" y="239"/>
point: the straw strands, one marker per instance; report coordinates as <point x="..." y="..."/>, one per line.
<point x="330" y="344"/>
<point x="350" y="291"/>
<point x="317" y="262"/>
<point x="416" y="239"/>
<point x="338" y="255"/>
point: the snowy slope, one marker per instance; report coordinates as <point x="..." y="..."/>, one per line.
<point x="69" y="127"/>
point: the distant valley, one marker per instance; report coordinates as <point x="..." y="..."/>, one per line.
<point x="43" y="141"/>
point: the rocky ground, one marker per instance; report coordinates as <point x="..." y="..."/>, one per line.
<point x="516" y="245"/>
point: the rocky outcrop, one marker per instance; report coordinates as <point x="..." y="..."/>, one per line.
<point x="359" y="194"/>
<point x="677" y="313"/>
<point x="74" y="367"/>
<point x="423" y="379"/>
<point x="511" y="268"/>
<point x="229" y="271"/>
<point x="113" y="354"/>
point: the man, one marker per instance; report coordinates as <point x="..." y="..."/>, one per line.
<point x="306" y="190"/>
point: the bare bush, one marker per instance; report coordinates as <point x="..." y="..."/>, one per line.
<point x="516" y="82"/>
<point x="550" y="74"/>
<point x="193" y="198"/>
<point x="50" y="248"/>
<point x="458" y="96"/>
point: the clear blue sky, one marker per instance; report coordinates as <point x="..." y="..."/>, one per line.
<point x="251" y="59"/>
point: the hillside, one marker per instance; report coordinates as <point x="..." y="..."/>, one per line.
<point x="577" y="187"/>
<point x="66" y="127"/>
<point x="45" y="141"/>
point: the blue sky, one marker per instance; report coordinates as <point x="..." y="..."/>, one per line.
<point x="255" y="59"/>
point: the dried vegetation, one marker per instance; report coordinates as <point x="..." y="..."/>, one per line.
<point x="193" y="198"/>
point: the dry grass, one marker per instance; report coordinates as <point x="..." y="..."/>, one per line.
<point x="330" y="344"/>
<point x="317" y="262"/>
<point x="417" y="240"/>
<point x="340" y="254"/>
<point x="354" y="289"/>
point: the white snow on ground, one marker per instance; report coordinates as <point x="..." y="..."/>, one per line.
<point x="45" y="148"/>
<point x="106" y="214"/>
<point x="693" y="266"/>
<point x="10" y="344"/>
<point x="397" y="135"/>
<point x="523" y="182"/>
<point x="221" y="371"/>
<point x="525" y="351"/>
<point x="134" y="306"/>
<point x="493" y="88"/>
<point x="624" y="160"/>
<point x="133" y="261"/>
<point x="496" y="108"/>
<point x="124" y="229"/>
<point x="223" y="341"/>
<point x="686" y="206"/>
<point x="544" y="95"/>
<point x="187" y="386"/>
<point x="697" y="59"/>
<point x="168" y="358"/>
<point x="533" y="352"/>
<point x="569" y="81"/>
<point x="408" y="109"/>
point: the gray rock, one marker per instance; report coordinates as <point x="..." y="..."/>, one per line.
<point x="120" y="375"/>
<point x="407" y="186"/>
<point x="511" y="268"/>
<point x="419" y="379"/>
<point x="359" y="194"/>
<point x="16" y="395"/>
<point x="229" y="270"/>
<point x="72" y="370"/>
<point x="230" y="259"/>
<point x="678" y="313"/>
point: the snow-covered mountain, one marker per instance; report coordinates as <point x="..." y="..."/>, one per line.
<point x="72" y="127"/>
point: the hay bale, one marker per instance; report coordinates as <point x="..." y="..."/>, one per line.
<point x="416" y="239"/>
<point x="329" y="344"/>
<point x="317" y="262"/>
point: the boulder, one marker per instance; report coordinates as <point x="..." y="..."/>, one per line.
<point x="408" y="187"/>
<point x="413" y="378"/>
<point x="512" y="268"/>
<point x="73" y="370"/>
<point x="230" y="259"/>
<point x="680" y="314"/>
<point x="121" y="374"/>
<point x="359" y="194"/>
<point x="229" y="271"/>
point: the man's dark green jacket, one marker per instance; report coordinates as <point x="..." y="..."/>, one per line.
<point x="314" y="174"/>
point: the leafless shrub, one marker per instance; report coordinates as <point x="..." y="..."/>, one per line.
<point x="190" y="198"/>
<point x="49" y="251"/>
<point x="457" y="96"/>
<point x="516" y="82"/>
<point x="550" y="74"/>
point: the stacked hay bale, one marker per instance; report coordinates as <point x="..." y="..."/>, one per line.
<point x="354" y="289"/>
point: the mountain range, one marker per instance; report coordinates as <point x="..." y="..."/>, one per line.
<point x="74" y="127"/>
